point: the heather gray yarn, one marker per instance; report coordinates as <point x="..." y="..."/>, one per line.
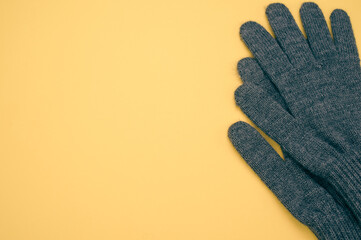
<point x="307" y="200"/>
<point x="306" y="95"/>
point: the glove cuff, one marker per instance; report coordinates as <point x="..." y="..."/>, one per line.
<point x="346" y="176"/>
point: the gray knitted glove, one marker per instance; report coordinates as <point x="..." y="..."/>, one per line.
<point x="320" y="82"/>
<point x="308" y="100"/>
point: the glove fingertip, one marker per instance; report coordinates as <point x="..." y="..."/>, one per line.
<point x="275" y="8"/>
<point x="308" y="6"/>
<point x="238" y="130"/>
<point x="248" y="30"/>
<point x="339" y="13"/>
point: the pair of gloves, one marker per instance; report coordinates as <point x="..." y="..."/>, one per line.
<point x="306" y="95"/>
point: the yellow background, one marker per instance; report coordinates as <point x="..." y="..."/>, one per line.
<point x="114" y="118"/>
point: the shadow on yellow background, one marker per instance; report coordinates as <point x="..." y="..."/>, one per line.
<point x="114" y="118"/>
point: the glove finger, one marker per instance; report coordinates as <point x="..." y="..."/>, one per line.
<point x="265" y="112"/>
<point x="343" y="36"/>
<point x="289" y="35"/>
<point x="311" y="152"/>
<point x="250" y="71"/>
<point x="265" y="48"/>
<point x="317" y="31"/>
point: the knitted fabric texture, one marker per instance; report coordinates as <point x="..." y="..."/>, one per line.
<point x="306" y="95"/>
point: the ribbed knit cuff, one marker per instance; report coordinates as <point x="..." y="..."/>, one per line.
<point x="346" y="178"/>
